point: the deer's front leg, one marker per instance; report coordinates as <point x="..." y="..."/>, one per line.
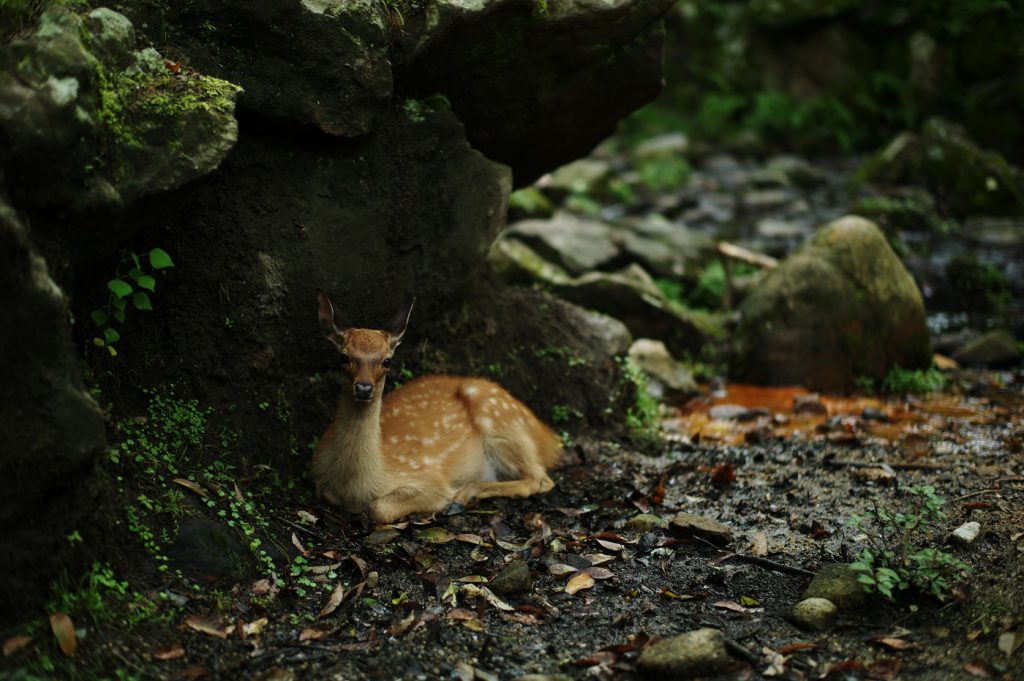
<point x="406" y="500"/>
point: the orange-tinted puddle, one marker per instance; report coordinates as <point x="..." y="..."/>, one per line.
<point x="746" y="413"/>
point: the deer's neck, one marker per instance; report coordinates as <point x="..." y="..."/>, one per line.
<point x="351" y="465"/>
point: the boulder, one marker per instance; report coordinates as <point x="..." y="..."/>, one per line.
<point x="997" y="348"/>
<point x="695" y="653"/>
<point x="968" y="179"/>
<point x="841" y="308"/>
<point x="664" y="248"/>
<point x="631" y="296"/>
<point x="590" y="176"/>
<point x="322" y="64"/>
<point x="537" y="84"/>
<point x="667" y="376"/>
<point x="576" y="244"/>
<point x="814" y="614"/>
<point x="90" y="122"/>
<point x="53" y="429"/>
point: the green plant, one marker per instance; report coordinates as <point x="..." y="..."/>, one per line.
<point x="561" y="413"/>
<point x="131" y="283"/>
<point x="664" y="172"/>
<point x="642" y="416"/>
<point x="901" y="552"/>
<point x="900" y="380"/>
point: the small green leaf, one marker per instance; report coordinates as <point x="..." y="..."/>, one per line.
<point x="99" y="317"/>
<point x="141" y="301"/>
<point x="119" y="305"/>
<point x="119" y="287"/>
<point x="111" y="335"/>
<point x="119" y="315"/>
<point x="135" y="273"/>
<point x="147" y="282"/>
<point x="135" y="261"/>
<point x="159" y="259"/>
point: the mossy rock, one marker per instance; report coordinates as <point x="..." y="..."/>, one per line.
<point x="841" y="308"/>
<point x="968" y="179"/>
<point x="837" y="583"/>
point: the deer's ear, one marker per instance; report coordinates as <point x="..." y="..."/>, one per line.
<point x="396" y="327"/>
<point x="332" y="322"/>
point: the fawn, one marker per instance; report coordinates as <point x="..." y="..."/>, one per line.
<point x="433" y="441"/>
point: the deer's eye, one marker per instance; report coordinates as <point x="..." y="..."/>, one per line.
<point x="344" y="358"/>
<point x="386" y="363"/>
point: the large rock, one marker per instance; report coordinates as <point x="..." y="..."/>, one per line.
<point x="997" y="348"/>
<point x="696" y="653"/>
<point x="664" y="248"/>
<point x="576" y="244"/>
<point x="537" y="84"/>
<point x="841" y="308"/>
<point x="322" y="63"/>
<point x="53" y="430"/>
<point x="87" y="121"/>
<point x="968" y="179"/>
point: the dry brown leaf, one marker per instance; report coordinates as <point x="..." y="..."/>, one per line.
<point x="598" y="558"/>
<point x="254" y="628"/>
<point x="171" y="651"/>
<point x="307" y="517"/>
<point x="324" y="569"/>
<point x="487" y="595"/>
<point x="15" y="643"/>
<point x="978" y="668"/>
<point x="333" y="601"/>
<point x="314" y="633"/>
<point x="943" y="363"/>
<point x="794" y="647"/>
<point x="581" y="581"/>
<point x="471" y="539"/>
<point x="212" y="625"/>
<point x="521" y="618"/>
<point x="435" y="535"/>
<point x="610" y="545"/>
<point x="194" y="486"/>
<point x="297" y="544"/>
<point x="196" y="672"/>
<point x="560" y="569"/>
<point x="893" y="643"/>
<point x="64" y="630"/>
<point x="261" y="587"/>
<point x="1009" y="641"/>
<point x="460" y="614"/>
<point x="730" y="605"/>
<point x="599" y="572"/>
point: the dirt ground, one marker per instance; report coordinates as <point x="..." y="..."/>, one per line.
<point x="413" y="600"/>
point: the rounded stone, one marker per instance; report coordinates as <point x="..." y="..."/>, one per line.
<point x="814" y="614"/>
<point x="694" y="653"/>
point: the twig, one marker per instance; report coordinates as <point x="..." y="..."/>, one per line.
<point x="300" y="528"/>
<point x="977" y="494"/>
<point x="771" y="564"/>
<point x="748" y="256"/>
<point x="907" y="466"/>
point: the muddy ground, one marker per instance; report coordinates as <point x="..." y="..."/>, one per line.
<point x="413" y="596"/>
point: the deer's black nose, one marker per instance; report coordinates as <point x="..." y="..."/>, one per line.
<point x="362" y="391"/>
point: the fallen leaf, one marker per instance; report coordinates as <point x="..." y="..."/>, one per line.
<point x="196" y="672"/>
<point x="15" y="643"/>
<point x="598" y="558"/>
<point x="171" y="651"/>
<point x="194" y="486"/>
<point x="610" y="545"/>
<point x="521" y="618"/>
<point x="599" y="572"/>
<point x="1008" y="642"/>
<point x="64" y="630"/>
<point x="893" y="643"/>
<point x="435" y="535"/>
<point x="794" y="647"/>
<point x="472" y="579"/>
<point x="730" y="605"/>
<point x="307" y="517"/>
<point x="885" y="669"/>
<point x="471" y="539"/>
<point x="601" y="657"/>
<point x="323" y="569"/>
<point x="723" y="475"/>
<point x="382" y="536"/>
<point x="333" y="601"/>
<point x="254" y="628"/>
<point x="369" y="643"/>
<point x="209" y="624"/>
<point x="297" y="544"/>
<point x="460" y="614"/>
<point x="672" y="595"/>
<point x="486" y="594"/>
<point x="315" y="633"/>
<point x="978" y="668"/>
<point x="560" y="569"/>
<point x="262" y="587"/>
<point x="581" y="581"/>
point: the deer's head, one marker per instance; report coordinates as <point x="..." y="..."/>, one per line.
<point x="365" y="353"/>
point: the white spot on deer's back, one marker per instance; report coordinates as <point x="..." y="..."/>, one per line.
<point x="471" y="390"/>
<point x="486" y="422"/>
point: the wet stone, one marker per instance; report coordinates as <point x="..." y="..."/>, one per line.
<point x="513" y="579"/>
<point x="838" y="584"/>
<point x="692" y="525"/>
<point x="691" y="654"/>
<point x="997" y="348"/>
<point x="645" y="522"/>
<point x="668" y="376"/>
<point x="814" y="614"/>
<point x="966" y="533"/>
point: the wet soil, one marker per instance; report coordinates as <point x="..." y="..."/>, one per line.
<point x="413" y="600"/>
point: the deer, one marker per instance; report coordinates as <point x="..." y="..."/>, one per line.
<point x="432" y="442"/>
